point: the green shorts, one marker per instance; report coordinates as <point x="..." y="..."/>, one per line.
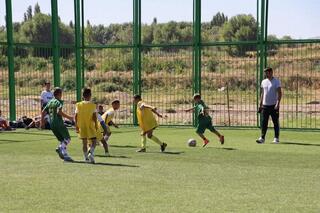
<point x="204" y="122"/>
<point x="61" y="132"/>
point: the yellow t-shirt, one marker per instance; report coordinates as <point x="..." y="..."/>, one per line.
<point x="145" y="117"/>
<point x="107" y="117"/>
<point x="87" y="126"/>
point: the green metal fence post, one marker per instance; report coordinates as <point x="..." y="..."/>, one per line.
<point x="262" y="45"/>
<point x="196" y="68"/>
<point x="55" y="43"/>
<point x="257" y="64"/>
<point x="12" y="94"/>
<point x="266" y="33"/>
<point x="136" y="52"/>
<point x="82" y="43"/>
<point x="77" y="48"/>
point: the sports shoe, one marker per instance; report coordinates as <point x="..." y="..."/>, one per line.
<point x="163" y="147"/>
<point x="142" y="150"/>
<point x="59" y="152"/>
<point x="91" y="158"/>
<point x="86" y="159"/>
<point x="276" y="140"/>
<point x="260" y="140"/>
<point x="67" y="158"/>
<point x="107" y="154"/>
<point x="205" y="142"/>
<point x="221" y="139"/>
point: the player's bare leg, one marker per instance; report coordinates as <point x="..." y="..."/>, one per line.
<point x="205" y="140"/>
<point x="221" y="137"/>
<point x="85" y="149"/>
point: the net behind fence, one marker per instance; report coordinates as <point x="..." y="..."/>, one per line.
<point x="33" y="67"/>
<point x="109" y="73"/>
<point x="298" y="68"/>
<point x="166" y="75"/>
<point x="228" y="84"/>
<point x="4" y="82"/>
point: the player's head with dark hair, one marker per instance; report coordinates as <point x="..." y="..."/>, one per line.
<point x="196" y="97"/>
<point x="86" y="94"/>
<point x="268" y="71"/>
<point x="136" y="98"/>
<point x="115" y="104"/>
<point x="57" y="92"/>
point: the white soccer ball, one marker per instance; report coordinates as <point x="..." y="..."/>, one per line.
<point x="192" y="142"/>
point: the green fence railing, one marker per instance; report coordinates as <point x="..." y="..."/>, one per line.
<point x="226" y="73"/>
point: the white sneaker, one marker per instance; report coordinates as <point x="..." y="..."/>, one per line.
<point x="260" y="140"/>
<point x="91" y="158"/>
<point x="276" y="140"/>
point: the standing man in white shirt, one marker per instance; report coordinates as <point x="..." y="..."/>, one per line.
<point x="269" y="104"/>
<point x="46" y="95"/>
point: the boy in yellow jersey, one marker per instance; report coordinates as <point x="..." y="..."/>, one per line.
<point x="147" y="123"/>
<point x="87" y="125"/>
<point x="107" y="118"/>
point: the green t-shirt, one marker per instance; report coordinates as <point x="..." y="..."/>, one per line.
<point x="201" y="107"/>
<point x="53" y="107"/>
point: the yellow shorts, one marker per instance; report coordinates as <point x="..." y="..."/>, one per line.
<point x="99" y="134"/>
<point x="87" y="133"/>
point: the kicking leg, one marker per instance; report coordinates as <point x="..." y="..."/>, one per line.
<point x="157" y="140"/>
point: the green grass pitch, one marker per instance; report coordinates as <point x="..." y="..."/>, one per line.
<point x="240" y="176"/>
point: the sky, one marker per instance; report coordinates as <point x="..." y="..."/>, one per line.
<point x="297" y="18"/>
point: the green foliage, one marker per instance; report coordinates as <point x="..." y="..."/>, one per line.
<point x="219" y="19"/>
<point x="3" y="61"/>
<point x="109" y="87"/>
<point x="173" y="66"/>
<point x="240" y="28"/>
<point x="69" y="84"/>
<point x="118" y="64"/>
<point x="212" y="65"/>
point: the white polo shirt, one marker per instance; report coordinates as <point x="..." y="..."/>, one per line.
<point x="270" y="95"/>
<point x="46" y="96"/>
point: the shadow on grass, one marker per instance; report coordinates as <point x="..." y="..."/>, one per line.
<point x="125" y="146"/>
<point x="166" y="153"/>
<point x="104" y="164"/>
<point x="112" y="156"/>
<point x="299" y="144"/>
<point x="223" y="148"/>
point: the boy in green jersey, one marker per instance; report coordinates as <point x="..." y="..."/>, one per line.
<point x="204" y="120"/>
<point x="54" y="108"/>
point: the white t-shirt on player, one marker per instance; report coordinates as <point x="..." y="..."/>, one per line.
<point x="46" y="96"/>
<point x="270" y="95"/>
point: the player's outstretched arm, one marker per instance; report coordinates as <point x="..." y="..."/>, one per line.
<point x="154" y="110"/>
<point x="65" y="115"/>
<point x="189" y="110"/>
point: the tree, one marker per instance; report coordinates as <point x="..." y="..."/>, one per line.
<point x="154" y="21"/>
<point x="218" y="20"/>
<point x="29" y="13"/>
<point x="71" y="24"/>
<point x="37" y="9"/>
<point x="25" y="18"/>
<point x="240" y="28"/>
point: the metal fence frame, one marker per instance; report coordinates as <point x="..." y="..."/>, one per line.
<point x="79" y="47"/>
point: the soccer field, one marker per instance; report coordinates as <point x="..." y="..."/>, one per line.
<point x="240" y="176"/>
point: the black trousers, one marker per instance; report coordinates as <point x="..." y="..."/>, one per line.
<point x="268" y="111"/>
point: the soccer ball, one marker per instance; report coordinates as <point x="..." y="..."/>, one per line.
<point x="192" y="142"/>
